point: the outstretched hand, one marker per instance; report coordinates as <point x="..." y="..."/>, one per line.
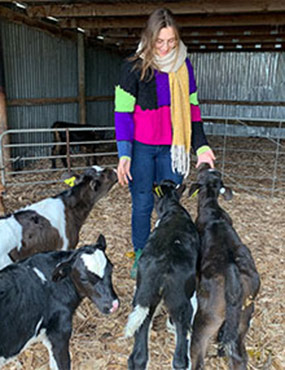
<point x="124" y="171"/>
<point x="206" y="157"/>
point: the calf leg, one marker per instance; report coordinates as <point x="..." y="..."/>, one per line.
<point x="58" y="346"/>
<point x="139" y="357"/>
<point x="63" y="152"/>
<point x="181" y="319"/>
<point x="206" y="324"/>
<point x="239" y="357"/>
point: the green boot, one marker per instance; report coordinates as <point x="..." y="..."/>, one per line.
<point x="134" y="269"/>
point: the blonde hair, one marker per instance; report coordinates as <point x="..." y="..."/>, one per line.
<point x="160" y="18"/>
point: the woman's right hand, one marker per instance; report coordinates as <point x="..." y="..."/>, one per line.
<point x="124" y="171"/>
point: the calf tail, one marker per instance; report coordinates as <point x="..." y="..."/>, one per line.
<point x="135" y="320"/>
<point x="228" y="333"/>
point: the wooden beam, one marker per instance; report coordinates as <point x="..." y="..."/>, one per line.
<point x="79" y="9"/>
<point x="196" y="31"/>
<point x="16" y="17"/>
<point x="273" y="19"/>
<point x="41" y="101"/>
<point x="47" y="101"/>
<point x="233" y="47"/>
<point x="206" y="40"/>
<point x="208" y="47"/>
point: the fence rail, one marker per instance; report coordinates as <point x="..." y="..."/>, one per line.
<point x="250" y="154"/>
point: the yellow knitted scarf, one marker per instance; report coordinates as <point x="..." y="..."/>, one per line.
<point x="181" y="120"/>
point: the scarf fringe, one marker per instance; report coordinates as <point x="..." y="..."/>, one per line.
<point x="180" y="160"/>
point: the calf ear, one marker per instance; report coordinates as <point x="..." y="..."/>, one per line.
<point x="94" y="184"/>
<point x="226" y="192"/>
<point x="61" y="271"/>
<point x="102" y="242"/>
<point x="194" y="189"/>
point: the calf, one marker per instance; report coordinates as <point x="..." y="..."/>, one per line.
<point x="166" y="271"/>
<point x="53" y="223"/>
<point x="84" y="139"/>
<point x="39" y="295"/>
<point x="229" y="281"/>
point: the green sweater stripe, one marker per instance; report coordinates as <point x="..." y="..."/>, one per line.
<point x="124" y="102"/>
<point x="193" y="98"/>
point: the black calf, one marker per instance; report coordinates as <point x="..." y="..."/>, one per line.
<point x="80" y="137"/>
<point x="228" y="281"/>
<point x="166" y="271"/>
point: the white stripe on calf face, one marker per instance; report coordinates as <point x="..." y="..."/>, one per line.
<point x="40" y="274"/>
<point x="97" y="168"/>
<point x="95" y="262"/>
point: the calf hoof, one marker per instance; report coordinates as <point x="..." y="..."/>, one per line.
<point x="136" y="366"/>
<point x="181" y="365"/>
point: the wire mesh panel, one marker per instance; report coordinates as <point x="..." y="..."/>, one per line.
<point x="250" y="153"/>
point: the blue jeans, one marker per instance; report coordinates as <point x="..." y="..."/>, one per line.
<point x="150" y="164"/>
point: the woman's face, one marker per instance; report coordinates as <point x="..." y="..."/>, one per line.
<point x="165" y="42"/>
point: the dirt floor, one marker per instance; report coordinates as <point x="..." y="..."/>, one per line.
<point x="97" y="342"/>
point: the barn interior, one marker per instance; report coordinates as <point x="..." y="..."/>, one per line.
<point x="60" y="60"/>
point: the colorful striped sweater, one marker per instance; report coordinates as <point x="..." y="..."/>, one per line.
<point x="142" y="110"/>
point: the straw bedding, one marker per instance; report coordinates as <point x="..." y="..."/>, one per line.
<point x="97" y="341"/>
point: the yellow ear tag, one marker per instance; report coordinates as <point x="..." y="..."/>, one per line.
<point x="70" y="181"/>
<point x="158" y="191"/>
<point x="130" y="254"/>
<point x="195" y="193"/>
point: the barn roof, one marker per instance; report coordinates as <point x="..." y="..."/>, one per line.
<point x="206" y="25"/>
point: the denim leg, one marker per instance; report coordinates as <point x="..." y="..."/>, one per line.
<point x="143" y="174"/>
<point x="150" y="164"/>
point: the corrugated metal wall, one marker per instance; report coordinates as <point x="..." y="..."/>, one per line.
<point x="102" y="70"/>
<point x="240" y="76"/>
<point x="38" y="65"/>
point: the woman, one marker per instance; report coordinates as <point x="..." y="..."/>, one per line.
<point x="157" y="120"/>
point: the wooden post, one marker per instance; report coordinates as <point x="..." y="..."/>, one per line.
<point x="81" y="78"/>
<point x="5" y="152"/>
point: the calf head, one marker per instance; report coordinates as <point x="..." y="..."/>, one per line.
<point x="91" y="273"/>
<point x="100" y="180"/>
<point x="210" y="180"/>
<point x="92" y="185"/>
<point x="164" y="193"/>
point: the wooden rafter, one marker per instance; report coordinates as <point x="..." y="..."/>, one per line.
<point x="183" y="21"/>
<point x="203" y="23"/>
<point x="79" y="9"/>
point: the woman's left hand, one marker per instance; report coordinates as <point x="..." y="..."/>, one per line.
<point x="206" y="157"/>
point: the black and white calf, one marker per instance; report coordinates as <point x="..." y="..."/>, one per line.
<point x="228" y="282"/>
<point x="53" y="223"/>
<point x="166" y="271"/>
<point x="39" y="295"/>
